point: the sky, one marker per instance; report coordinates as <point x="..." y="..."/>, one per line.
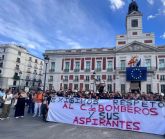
<point x="41" y="25"/>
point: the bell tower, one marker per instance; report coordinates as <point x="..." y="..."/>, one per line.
<point x="134" y="25"/>
<point x="134" y="28"/>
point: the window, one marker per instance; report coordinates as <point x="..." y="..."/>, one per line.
<point x="51" y="78"/>
<point x="98" y="64"/>
<point x="98" y="78"/>
<point x="67" y="65"/>
<point x="162" y="77"/>
<point x="122" y="88"/>
<point x="30" y="58"/>
<point x="134" y="23"/>
<point x="15" y="82"/>
<point x="75" y="78"/>
<point x="17" y="67"/>
<point x="27" y="83"/>
<point x="86" y="87"/>
<point x="53" y="66"/>
<point x="148" y="63"/>
<point x="3" y="57"/>
<point x="110" y="65"/>
<point x="65" y="86"/>
<point x="122" y="62"/>
<point x="87" y="78"/>
<point x="65" y="78"/>
<point x="148" y="41"/>
<point x="109" y="87"/>
<point x="163" y="88"/>
<point x="148" y="88"/>
<point x="134" y="33"/>
<point x="161" y="64"/>
<point x="36" y="61"/>
<point x="88" y="65"/>
<point x="50" y="86"/>
<point x="18" y="60"/>
<point x="0" y="71"/>
<point x="77" y="65"/>
<point x="109" y="78"/>
<point x="19" y="53"/>
<point x="121" y="42"/>
<point x="75" y="86"/>
<point x="1" y="65"/>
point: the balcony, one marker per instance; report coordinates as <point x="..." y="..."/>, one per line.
<point x="66" y="70"/>
<point x="52" y="70"/>
<point x="98" y="69"/>
<point x="76" y="70"/>
<point x="109" y="80"/>
<point x="87" y="70"/>
<point x="18" y="61"/>
<point x="76" y="80"/>
<point x="50" y="80"/>
<point x="65" y="80"/>
<point x="86" y="80"/>
<point x="121" y="69"/>
<point x="109" y="69"/>
<point x="161" y="68"/>
<point x="151" y="69"/>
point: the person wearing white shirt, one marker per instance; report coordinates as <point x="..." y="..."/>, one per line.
<point x="7" y="104"/>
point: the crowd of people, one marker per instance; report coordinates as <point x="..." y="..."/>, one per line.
<point x="37" y="101"/>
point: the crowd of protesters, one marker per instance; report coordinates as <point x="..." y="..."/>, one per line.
<point x="37" y="101"/>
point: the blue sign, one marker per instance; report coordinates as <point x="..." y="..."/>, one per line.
<point x="136" y="74"/>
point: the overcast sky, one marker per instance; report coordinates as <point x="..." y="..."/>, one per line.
<point x="65" y="24"/>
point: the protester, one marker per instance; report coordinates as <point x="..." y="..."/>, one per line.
<point x="20" y="105"/>
<point x="44" y="106"/>
<point x="31" y="102"/>
<point x="7" y="98"/>
<point x="38" y="98"/>
<point x="2" y="93"/>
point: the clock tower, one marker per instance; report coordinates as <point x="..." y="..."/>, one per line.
<point x="134" y="28"/>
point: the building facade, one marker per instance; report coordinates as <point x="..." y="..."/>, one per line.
<point x="85" y="69"/>
<point x="18" y="68"/>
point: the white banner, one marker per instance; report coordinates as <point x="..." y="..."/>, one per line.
<point x="134" y="115"/>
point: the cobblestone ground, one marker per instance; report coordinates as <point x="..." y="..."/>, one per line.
<point x="35" y="128"/>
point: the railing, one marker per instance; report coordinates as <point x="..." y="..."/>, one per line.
<point x="86" y="80"/>
<point x="65" y="80"/>
<point x="66" y="70"/>
<point x="52" y="70"/>
<point x="18" y="61"/>
<point x="161" y="68"/>
<point x="29" y="65"/>
<point x="28" y="71"/>
<point x="76" y="70"/>
<point x="109" y="79"/>
<point x="109" y="69"/>
<point x="98" y="69"/>
<point x="76" y="80"/>
<point x="50" y="80"/>
<point x="87" y="70"/>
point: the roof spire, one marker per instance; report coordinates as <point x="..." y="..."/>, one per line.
<point x="133" y="7"/>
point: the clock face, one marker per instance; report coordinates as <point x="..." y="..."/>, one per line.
<point x="136" y="74"/>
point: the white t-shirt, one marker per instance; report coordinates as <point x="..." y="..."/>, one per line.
<point x="8" y="98"/>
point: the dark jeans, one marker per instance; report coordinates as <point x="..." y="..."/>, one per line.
<point x="44" y="111"/>
<point x="31" y="107"/>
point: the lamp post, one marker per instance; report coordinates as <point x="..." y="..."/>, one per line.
<point x="94" y="81"/>
<point x="46" y="59"/>
<point x="20" y="73"/>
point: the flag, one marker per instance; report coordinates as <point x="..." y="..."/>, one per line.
<point x="138" y="63"/>
<point x="136" y="74"/>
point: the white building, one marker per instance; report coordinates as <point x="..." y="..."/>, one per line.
<point x="74" y="69"/>
<point x="18" y="67"/>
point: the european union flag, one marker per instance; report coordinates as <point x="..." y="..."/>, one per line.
<point x="136" y="74"/>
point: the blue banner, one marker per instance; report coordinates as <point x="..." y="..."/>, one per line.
<point x="136" y="74"/>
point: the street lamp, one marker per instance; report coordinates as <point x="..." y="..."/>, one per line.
<point x="20" y="73"/>
<point x="46" y="60"/>
<point x="94" y="81"/>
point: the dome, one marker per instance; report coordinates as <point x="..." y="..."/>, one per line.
<point x="132" y="7"/>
